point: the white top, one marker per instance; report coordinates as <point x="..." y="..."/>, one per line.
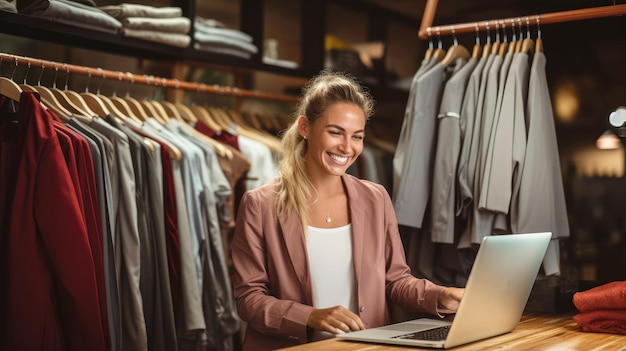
<point x="332" y="270"/>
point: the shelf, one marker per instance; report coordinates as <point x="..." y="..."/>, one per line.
<point x="313" y="27"/>
<point x="64" y="34"/>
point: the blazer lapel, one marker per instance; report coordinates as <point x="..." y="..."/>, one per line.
<point x="291" y="231"/>
<point x="357" y="218"/>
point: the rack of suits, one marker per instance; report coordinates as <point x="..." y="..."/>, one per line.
<point x="115" y="224"/>
<point x="477" y="156"/>
<point x="453" y="179"/>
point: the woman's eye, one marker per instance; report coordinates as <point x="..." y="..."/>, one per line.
<point x="358" y="137"/>
<point x="334" y="132"/>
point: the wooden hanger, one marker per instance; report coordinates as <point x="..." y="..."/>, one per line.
<point x="73" y="104"/>
<point x="236" y="118"/>
<point x="255" y="122"/>
<point x="77" y="99"/>
<point x="10" y="89"/>
<point x="111" y="107"/>
<point x="439" y="53"/>
<point x="477" y="49"/>
<point x="243" y="123"/>
<point x="495" y="47"/>
<point x="205" y="117"/>
<point x="185" y="112"/>
<point x="123" y="106"/>
<point x="220" y="149"/>
<point x="513" y="43"/>
<point x="61" y="112"/>
<point x="222" y="118"/>
<point x="133" y="105"/>
<point x="528" y="45"/>
<point x="158" y="108"/>
<point x="149" y="109"/>
<point x="454" y="53"/>
<point x="67" y="103"/>
<point x="171" y="110"/>
<point x="51" y="101"/>
<point x="136" y="108"/>
<point x="95" y="104"/>
<point x="219" y="113"/>
<point x="48" y="98"/>
<point x="178" y="110"/>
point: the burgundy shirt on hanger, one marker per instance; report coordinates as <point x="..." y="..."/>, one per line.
<point x="49" y="296"/>
<point x="231" y="140"/>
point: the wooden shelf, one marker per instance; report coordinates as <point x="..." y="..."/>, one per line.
<point x="64" y="34"/>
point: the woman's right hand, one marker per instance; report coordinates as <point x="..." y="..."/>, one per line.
<point x="334" y="320"/>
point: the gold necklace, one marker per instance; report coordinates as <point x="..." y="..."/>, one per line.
<point x="328" y="218"/>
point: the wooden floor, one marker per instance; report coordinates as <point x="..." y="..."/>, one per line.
<point x="535" y="332"/>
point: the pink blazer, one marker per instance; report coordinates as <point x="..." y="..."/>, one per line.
<point x="272" y="283"/>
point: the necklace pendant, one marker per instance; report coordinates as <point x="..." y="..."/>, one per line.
<point x="328" y="219"/>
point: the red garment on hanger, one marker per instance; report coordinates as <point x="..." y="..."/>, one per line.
<point x="80" y="165"/>
<point x="49" y="296"/>
<point x="229" y="139"/>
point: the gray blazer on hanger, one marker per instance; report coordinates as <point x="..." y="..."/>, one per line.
<point x="472" y="160"/>
<point x="126" y="237"/>
<point x="446" y="156"/>
<point x="415" y="181"/>
<point x="541" y="203"/>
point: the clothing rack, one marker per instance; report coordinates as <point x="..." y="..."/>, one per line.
<point x="145" y="79"/>
<point x="427" y="30"/>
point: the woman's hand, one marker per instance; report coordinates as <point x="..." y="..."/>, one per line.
<point x="449" y="299"/>
<point x="334" y="320"/>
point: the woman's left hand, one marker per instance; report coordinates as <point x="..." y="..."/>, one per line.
<point x="449" y="299"/>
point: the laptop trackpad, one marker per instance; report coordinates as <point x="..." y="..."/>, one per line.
<point x="409" y="327"/>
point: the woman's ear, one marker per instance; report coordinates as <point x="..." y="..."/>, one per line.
<point x="303" y="127"/>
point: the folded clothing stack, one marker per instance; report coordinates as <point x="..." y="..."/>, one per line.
<point x="602" y="309"/>
<point x="72" y="13"/>
<point x="164" y="25"/>
<point x="8" y="6"/>
<point x="212" y="36"/>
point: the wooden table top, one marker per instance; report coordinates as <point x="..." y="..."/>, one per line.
<point x="534" y="332"/>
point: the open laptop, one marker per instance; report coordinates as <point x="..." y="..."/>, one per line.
<point x="496" y="293"/>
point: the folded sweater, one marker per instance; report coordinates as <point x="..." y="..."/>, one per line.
<point x="602" y="321"/>
<point x="610" y="296"/>
<point x="178" y="25"/>
<point x="136" y="10"/>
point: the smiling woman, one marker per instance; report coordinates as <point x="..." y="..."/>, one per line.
<point x="317" y="252"/>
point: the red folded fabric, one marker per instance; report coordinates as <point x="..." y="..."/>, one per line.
<point x="602" y="321"/>
<point x="610" y="296"/>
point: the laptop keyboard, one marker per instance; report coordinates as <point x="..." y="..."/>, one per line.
<point x="435" y="334"/>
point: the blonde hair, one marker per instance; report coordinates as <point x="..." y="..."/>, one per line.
<point x="324" y="90"/>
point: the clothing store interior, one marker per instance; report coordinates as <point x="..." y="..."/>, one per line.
<point x="226" y="76"/>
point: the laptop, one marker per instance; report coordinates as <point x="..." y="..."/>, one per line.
<point x="496" y="293"/>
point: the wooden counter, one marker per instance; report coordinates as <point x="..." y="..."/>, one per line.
<point x="535" y="332"/>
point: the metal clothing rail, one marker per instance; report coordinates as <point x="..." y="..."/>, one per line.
<point x="144" y="79"/>
<point x="427" y="27"/>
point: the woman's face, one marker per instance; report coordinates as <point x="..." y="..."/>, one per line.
<point x="335" y="139"/>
